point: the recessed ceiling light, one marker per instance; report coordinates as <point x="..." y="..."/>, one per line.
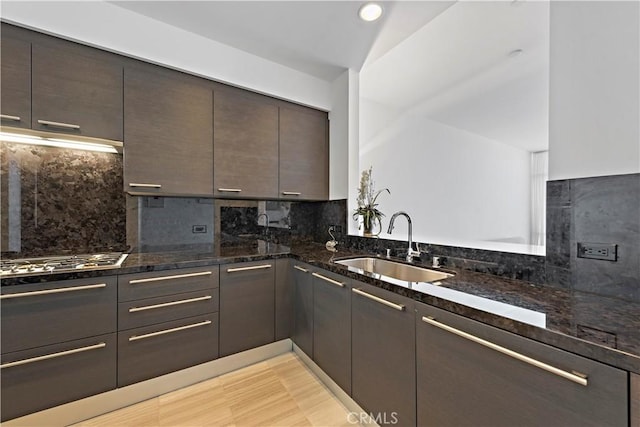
<point x="370" y="12"/>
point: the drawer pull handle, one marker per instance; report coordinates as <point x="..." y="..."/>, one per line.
<point x="576" y="378"/>
<point x="53" y="291"/>
<point x="253" y="267"/>
<point x="175" y="276"/>
<point x="8" y="117"/>
<point x="169" y="304"/>
<point x="399" y="307"/>
<point x="230" y="190"/>
<point x="58" y="124"/>
<point x="291" y="193"/>
<point x="137" y="184"/>
<point x="169" y="331"/>
<point x="52" y="355"/>
<point x="326" y="279"/>
<point x="297" y="267"/>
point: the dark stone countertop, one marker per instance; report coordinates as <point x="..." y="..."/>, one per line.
<point x="601" y="328"/>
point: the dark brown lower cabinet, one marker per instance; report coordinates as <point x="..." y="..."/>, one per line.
<point x="284" y="299"/>
<point x="383" y="355"/>
<point x="332" y="327"/>
<point x="634" y="392"/>
<point x="470" y="374"/>
<point x="247" y="306"/>
<point x="302" y="333"/>
<point x="162" y="348"/>
<point x="44" y="377"/>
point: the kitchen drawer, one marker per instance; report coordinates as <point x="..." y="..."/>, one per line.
<point x="56" y="374"/>
<point x="36" y="315"/>
<point x="134" y="314"/>
<point x="151" y="351"/>
<point x="166" y="282"/>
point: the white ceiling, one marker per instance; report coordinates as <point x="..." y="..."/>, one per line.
<point x="445" y="60"/>
<point x="457" y="70"/>
<point x="321" y="38"/>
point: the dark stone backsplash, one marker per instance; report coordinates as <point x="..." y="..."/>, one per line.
<point x="595" y="210"/>
<point x="57" y="201"/>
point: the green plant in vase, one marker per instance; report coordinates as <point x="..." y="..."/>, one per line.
<point x="367" y="206"/>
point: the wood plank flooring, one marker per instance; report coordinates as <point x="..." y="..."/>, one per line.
<point x="278" y="392"/>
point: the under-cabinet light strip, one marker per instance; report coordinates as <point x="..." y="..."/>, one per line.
<point x="56" y="142"/>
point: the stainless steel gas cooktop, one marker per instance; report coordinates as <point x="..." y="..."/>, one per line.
<point x="58" y="264"/>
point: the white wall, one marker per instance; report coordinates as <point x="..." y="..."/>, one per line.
<point x="460" y="189"/>
<point x="339" y="138"/>
<point x="119" y="30"/>
<point x="594" y="127"/>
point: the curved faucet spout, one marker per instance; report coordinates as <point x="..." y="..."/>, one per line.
<point x="410" y="252"/>
<point x="266" y="222"/>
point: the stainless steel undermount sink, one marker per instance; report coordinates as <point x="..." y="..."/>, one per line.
<point x="396" y="270"/>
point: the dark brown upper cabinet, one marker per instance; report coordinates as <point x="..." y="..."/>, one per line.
<point x="304" y="154"/>
<point x="15" y="86"/>
<point x="168" y="134"/>
<point x="245" y="129"/>
<point x="76" y="93"/>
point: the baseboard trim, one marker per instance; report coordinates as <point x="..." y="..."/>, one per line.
<point x="99" y="404"/>
<point x="351" y="405"/>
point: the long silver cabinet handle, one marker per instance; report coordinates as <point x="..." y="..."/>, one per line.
<point x="579" y="379"/>
<point x="58" y="124"/>
<point x="8" y="117"/>
<point x="327" y="279"/>
<point x="52" y="355"/>
<point x="175" y="276"/>
<point x="291" y="193"/>
<point x="169" y="331"/>
<point x="52" y="291"/>
<point x="230" y="190"/>
<point x="399" y="307"/>
<point x="297" y="267"/>
<point x="169" y="304"/>
<point x="253" y="267"/>
<point x="136" y="184"/>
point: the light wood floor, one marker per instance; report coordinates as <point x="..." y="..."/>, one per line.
<point x="277" y="392"/>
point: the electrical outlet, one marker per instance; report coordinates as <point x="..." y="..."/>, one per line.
<point x="604" y="251"/>
<point x="198" y="229"/>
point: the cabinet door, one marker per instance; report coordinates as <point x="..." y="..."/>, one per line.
<point x="247" y="309"/>
<point x="464" y="382"/>
<point x="168" y="139"/>
<point x="245" y="146"/>
<point x="302" y="334"/>
<point x="383" y="355"/>
<point x="35" y="315"/>
<point x="43" y="377"/>
<point x="304" y="155"/>
<point x="15" y="85"/>
<point x="284" y="299"/>
<point x="76" y="94"/>
<point x="635" y="399"/>
<point x="332" y="327"/>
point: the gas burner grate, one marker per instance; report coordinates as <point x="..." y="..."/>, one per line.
<point x="46" y="265"/>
